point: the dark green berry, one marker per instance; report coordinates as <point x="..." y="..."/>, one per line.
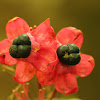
<point x="74" y="58"/>
<point x="64" y="60"/>
<point x="14" y="51"/>
<point x="62" y="50"/>
<point x="24" y="51"/>
<point x="15" y="41"/>
<point x="21" y="47"/>
<point x="69" y="54"/>
<point x="24" y="40"/>
<point x="73" y="48"/>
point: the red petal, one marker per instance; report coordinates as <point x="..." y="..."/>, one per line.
<point x="66" y="84"/>
<point x="44" y="59"/>
<point x="9" y="60"/>
<point x="34" y="44"/>
<point x="44" y="34"/>
<point x="2" y="59"/>
<point x="4" y="46"/>
<point x="5" y="57"/>
<point x="62" y="68"/>
<point x="46" y="78"/>
<point x="16" y="27"/>
<point x="24" y="72"/>
<point x="86" y="65"/>
<point x="70" y="35"/>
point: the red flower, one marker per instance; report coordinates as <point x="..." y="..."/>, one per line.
<point x="64" y="76"/>
<point x="46" y="57"/>
<point x="39" y="53"/>
<point x="24" y="70"/>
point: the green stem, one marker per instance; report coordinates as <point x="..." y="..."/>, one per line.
<point x="8" y="68"/>
<point x="53" y="94"/>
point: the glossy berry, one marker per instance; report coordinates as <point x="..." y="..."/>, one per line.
<point x="74" y="58"/>
<point x="69" y="54"/>
<point x="24" y="51"/>
<point x="23" y="39"/>
<point x="72" y="48"/>
<point x="14" y="51"/>
<point x="15" y="41"/>
<point x="61" y="50"/>
<point x="21" y="47"/>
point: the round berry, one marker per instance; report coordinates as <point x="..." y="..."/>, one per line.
<point x="13" y="50"/>
<point x="73" y="48"/>
<point x="62" y="50"/>
<point x="69" y="54"/>
<point x="24" y="51"/>
<point x="24" y="39"/>
<point x="15" y="41"/>
<point x="74" y="58"/>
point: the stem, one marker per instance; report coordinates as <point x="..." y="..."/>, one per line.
<point x="25" y="91"/>
<point x="39" y="86"/>
<point x="17" y="95"/>
<point x="53" y="94"/>
<point x="23" y="95"/>
<point x="41" y="94"/>
<point x="8" y="68"/>
<point x="27" y="87"/>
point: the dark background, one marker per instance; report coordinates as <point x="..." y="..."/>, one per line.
<point x="82" y="14"/>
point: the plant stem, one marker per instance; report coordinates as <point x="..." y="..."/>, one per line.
<point x="25" y="91"/>
<point x="8" y="68"/>
<point x="39" y="86"/>
<point x="41" y="94"/>
<point x="41" y="91"/>
<point x="17" y="95"/>
<point x="53" y="94"/>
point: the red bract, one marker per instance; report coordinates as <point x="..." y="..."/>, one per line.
<point x="65" y="75"/>
<point x="38" y="56"/>
<point x="46" y="57"/>
<point x="44" y="34"/>
<point x="14" y="28"/>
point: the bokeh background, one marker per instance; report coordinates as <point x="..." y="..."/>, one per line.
<point x="82" y="14"/>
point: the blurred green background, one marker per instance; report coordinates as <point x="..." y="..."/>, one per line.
<point x="83" y="14"/>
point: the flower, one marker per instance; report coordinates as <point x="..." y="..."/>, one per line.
<point x="14" y="50"/>
<point x="63" y="75"/>
<point x="14" y="28"/>
<point x="46" y="57"/>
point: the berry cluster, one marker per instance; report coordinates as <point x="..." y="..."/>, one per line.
<point x="69" y="54"/>
<point x="20" y="47"/>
